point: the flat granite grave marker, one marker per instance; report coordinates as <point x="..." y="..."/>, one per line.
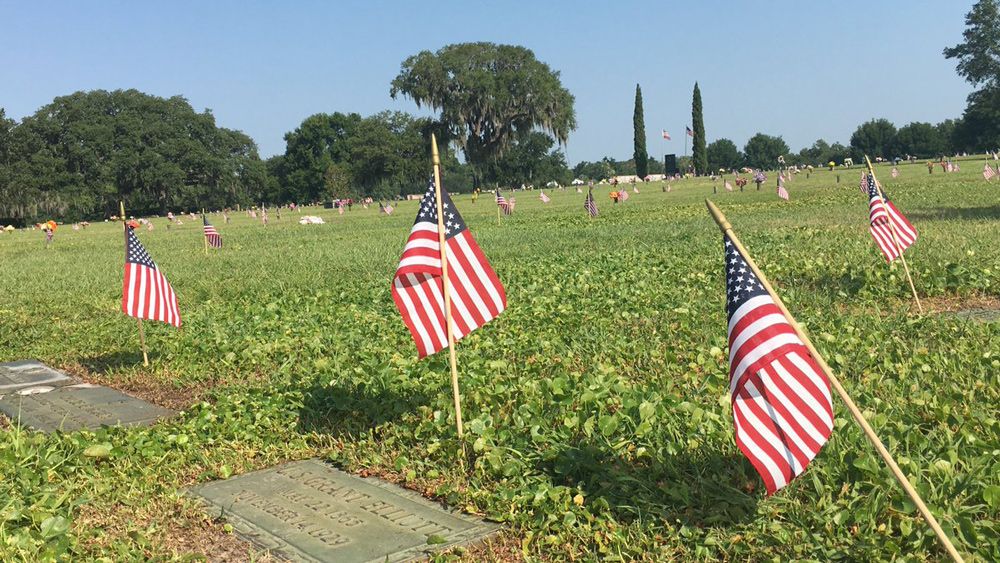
<point x="75" y="407"/>
<point x="311" y="511"/>
<point x="979" y="314"/>
<point x="29" y="373"/>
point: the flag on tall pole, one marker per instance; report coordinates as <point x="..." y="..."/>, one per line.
<point x="146" y="293"/>
<point x="444" y="286"/>
<point x="689" y="132"/>
<point x="212" y="236"/>
<point x="590" y="205"/>
<point x="885" y="219"/>
<point x="780" y="397"/>
<point x="666" y="136"/>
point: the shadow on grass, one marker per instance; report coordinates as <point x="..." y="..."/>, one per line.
<point x="348" y="410"/>
<point x="117" y="360"/>
<point x="703" y="489"/>
<point x="946" y="213"/>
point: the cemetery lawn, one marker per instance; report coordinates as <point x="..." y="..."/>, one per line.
<point x="596" y="407"/>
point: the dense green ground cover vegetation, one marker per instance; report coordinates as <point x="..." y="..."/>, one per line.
<point x="597" y="415"/>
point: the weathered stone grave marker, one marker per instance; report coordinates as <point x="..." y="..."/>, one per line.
<point x="44" y="399"/>
<point x="311" y="511"/>
<point x="29" y="373"/>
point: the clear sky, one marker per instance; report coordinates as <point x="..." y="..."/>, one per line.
<point x="802" y="70"/>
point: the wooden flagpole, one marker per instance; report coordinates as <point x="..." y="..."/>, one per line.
<point x="142" y="333"/>
<point x="442" y="243"/>
<point x="498" y="208"/>
<point x="727" y="229"/>
<point x="892" y="232"/>
<point x="203" y="235"/>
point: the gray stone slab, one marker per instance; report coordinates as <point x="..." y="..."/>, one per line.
<point x="311" y="511"/>
<point x="75" y="407"/>
<point x="29" y="373"/>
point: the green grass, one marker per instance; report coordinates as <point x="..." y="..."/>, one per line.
<point x="596" y="407"/>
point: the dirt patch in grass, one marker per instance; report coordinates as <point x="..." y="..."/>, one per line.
<point x="180" y="530"/>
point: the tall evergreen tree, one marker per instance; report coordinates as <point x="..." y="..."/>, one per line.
<point x="699" y="156"/>
<point x="640" y="156"/>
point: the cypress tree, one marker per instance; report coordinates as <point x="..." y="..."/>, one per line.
<point x="699" y="156"/>
<point x="640" y="156"/>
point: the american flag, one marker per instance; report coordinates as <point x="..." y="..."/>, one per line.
<point x="782" y="409"/>
<point x="666" y="135"/>
<point x="543" y="197"/>
<point x="503" y="204"/>
<point x="988" y="172"/>
<point x="956" y="168"/>
<point x="590" y="205"/>
<point x="623" y="194"/>
<point x="213" y="236"/>
<point x="895" y="172"/>
<point x="882" y="224"/>
<point x="418" y="288"/>
<point x="387" y="209"/>
<point x="635" y="189"/>
<point x="949" y="167"/>
<point x="729" y="187"/>
<point x="863" y="185"/>
<point x="782" y="192"/>
<point x="689" y="131"/>
<point x="146" y="294"/>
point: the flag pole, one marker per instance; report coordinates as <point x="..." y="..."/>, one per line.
<point x="142" y="333"/>
<point x="498" y="211"/>
<point x="436" y="158"/>
<point x="203" y="235"/>
<point x="727" y="229"/>
<point x="892" y="232"/>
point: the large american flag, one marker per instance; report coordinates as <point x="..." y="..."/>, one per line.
<point x="590" y="205"/>
<point x="418" y="288"/>
<point x="146" y="294"/>
<point x="506" y="207"/>
<point x="213" y="236"/>
<point x="882" y="223"/>
<point x="782" y="409"/>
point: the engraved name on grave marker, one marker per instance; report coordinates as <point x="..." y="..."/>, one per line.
<point x="74" y="407"/>
<point x="29" y="373"/>
<point x="310" y="511"/>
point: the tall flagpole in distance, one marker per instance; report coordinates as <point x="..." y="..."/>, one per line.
<point x="892" y="231"/>
<point x="142" y="334"/>
<point x="727" y="229"/>
<point x="442" y="243"/>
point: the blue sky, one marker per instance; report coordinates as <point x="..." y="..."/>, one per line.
<point x="802" y="70"/>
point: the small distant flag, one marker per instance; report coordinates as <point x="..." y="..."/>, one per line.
<point x="212" y="235"/>
<point x="543" y="197"/>
<point x="477" y="296"/>
<point x="666" y="136"/>
<point x="895" y="172"/>
<point x="949" y="167"/>
<point x="988" y="172"/>
<point x="590" y="205"/>
<point x="146" y="294"/>
<point x="635" y="189"/>
<point x="689" y="131"/>
<point x="263" y="215"/>
<point x="503" y="204"/>
<point x="782" y="409"/>
<point x="623" y="195"/>
<point x="729" y="187"/>
<point x="782" y="192"/>
<point x="884" y="219"/>
<point x="956" y="168"/>
<point x="863" y="185"/>
<point x="387" y="209"/>
<point x="340" y="209"/>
